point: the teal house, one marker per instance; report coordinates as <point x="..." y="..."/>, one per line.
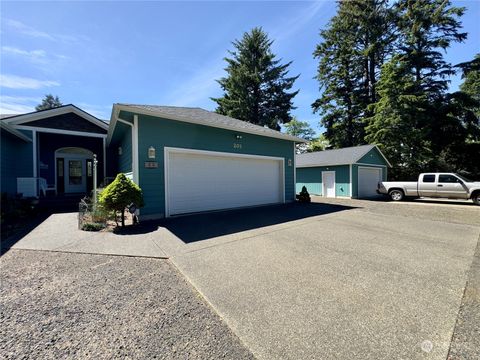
<point x="189" y="160"/>
<point x="352" y="172"/>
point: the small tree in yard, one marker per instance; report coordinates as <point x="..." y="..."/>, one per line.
<point x="120" y="194"/>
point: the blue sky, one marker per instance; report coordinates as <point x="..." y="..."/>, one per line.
<point x="94" y="54"/>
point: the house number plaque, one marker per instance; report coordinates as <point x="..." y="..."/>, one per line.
<point x="151" y="164"/>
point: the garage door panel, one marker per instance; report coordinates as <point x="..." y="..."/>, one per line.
<point x="200" y="182"/>
<point x="368" y="179"/>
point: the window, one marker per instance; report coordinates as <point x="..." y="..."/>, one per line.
<point x="444" y="178"/>
<point x="428" y="178"/>
<point x="75" y="172"/>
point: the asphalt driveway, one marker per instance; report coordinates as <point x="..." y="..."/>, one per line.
<point x="340" y="279"/>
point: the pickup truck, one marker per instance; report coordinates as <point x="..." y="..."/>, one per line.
<point x="434" y="185"/>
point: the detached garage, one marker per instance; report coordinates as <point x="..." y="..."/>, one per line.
<point x="349" y="172"/>
<point x="189" y="160"/>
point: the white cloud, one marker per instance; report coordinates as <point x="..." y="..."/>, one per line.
<point x="27" y="30"/>
<point x="32" y="54"/>
<point x="19" y="82"/>
<point x="17" y="104"/>
<point x="297" y="22"/>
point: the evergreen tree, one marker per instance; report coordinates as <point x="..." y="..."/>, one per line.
<point x="49" y="102"/>
<point x="302" y="130"/>
<point x="257" y="85"/>
<point x="353" y="48"/>
<point x="471" y="80"/>
<point x="414" y="120"/>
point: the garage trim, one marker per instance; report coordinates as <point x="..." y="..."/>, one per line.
<point x="168" y="150"/>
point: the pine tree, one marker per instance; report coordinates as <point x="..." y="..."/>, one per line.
<point x="413" y="120"/>
<point x="49" y="102"/>
<point x="301" y="129"/>
<point x="353" y="48"/>
<point x="257" y="85"/>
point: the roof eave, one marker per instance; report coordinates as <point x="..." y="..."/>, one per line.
<point x="121" y="107"/>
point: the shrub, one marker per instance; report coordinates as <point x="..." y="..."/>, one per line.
<point x="119" y="194"/>
<point x="304" y="196"/>
<point x="92" y="226"/>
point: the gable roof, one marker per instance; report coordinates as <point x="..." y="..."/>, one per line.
<point x="198" y="116"/>
<point x="15" y="132"/>
<point x="344" y="156"/>
<point x="43" y="114"/>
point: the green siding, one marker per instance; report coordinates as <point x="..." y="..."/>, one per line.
<point x="312" y="178"/>
<point x="161" y="133"/>
<point x="16" y="160"/>
<point x="373" y="157"/>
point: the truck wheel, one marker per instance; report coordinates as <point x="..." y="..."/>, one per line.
<point x="476" y="198"/>
<point x="396" y="195"/>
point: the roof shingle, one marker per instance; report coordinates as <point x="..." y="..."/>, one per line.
<point x="208" y="118"/>
<point x="343" y="156"/>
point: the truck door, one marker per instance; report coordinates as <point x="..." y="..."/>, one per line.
<point x="450" y="186"/>
<point x="427" y="185"/>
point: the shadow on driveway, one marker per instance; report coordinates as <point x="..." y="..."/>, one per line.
<point x="205" y="226"/>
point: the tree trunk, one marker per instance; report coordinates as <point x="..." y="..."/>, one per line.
<point x="123" y="218"/>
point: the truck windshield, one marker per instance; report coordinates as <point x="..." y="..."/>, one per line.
<point x="464" y="178"/>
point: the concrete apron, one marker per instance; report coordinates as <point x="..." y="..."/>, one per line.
<point x="339" y="286"/>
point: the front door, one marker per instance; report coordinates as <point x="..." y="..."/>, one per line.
<point x="328" y="180"/>
<point x="75" y="175"/>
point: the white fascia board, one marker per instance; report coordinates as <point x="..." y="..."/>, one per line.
<point x="59" y="131"/>
<point x="21" y="119"/>
<point x="316" y="165"/>
<point x="158" y="114"/>
<point x="15" y="132"/>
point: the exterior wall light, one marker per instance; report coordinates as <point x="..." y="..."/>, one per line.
<point x="238" y="137"/>
<point x="151" y="152"/>
<point x="120" y="151"/>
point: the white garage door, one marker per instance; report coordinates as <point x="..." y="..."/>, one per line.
<point x="201" y="181"/>
<point x="368" y="179"/>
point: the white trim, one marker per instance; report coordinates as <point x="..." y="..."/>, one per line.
<point x="166" y="157"/>
<point x="14" y="132"/>
<point x="135" y="159"/>
<point x="104" y="159"/>
<point x="59" y="131"/>
<point x="310" y="166"/>
<point x="373" y="165"/>
<point x="294" y="174"/>
<point x="324" y="192"/>
<point x="351" y="180"/>
<point x="39" y="115"/>
<point x="119" y="107"/>
<point x="34" y="140"/>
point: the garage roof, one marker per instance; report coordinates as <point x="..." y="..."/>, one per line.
<point x="202" y="117"/>
<point x="344" y="156"/>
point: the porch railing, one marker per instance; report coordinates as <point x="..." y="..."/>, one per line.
<point x="32" y="186"/>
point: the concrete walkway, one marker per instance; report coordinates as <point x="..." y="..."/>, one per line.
<point x="59" y="232"/>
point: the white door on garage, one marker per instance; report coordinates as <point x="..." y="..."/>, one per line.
<point x="203" y="180"/>
<point x="368" y="178"/>
<point x="328" y="181"/>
